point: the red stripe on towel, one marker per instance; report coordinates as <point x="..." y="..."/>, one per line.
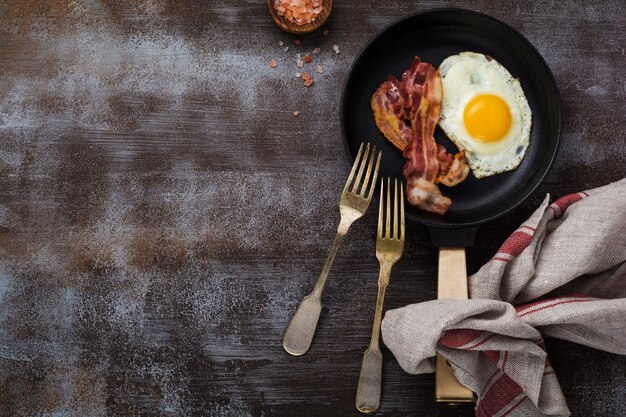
<point x="516" y="243"/>
<point x="568" y="200"/>
<point x="499" y="395"/>
<point x="526" y="306"/>
<point x="514" y="407"/>
<point x="554" y="305"/>
<point x="459" y="337"/>
<point x="506" y="355"/>
<point x="492" y="355"/>
<point x="501" y="259"/>
<point x="481" y="342"/>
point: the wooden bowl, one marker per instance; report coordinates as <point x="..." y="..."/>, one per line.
<point x="290" y="27"/>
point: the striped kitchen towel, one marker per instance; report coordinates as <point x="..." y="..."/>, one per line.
<point x="561" y="274"/>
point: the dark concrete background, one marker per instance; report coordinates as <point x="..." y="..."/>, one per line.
<point x="162" y="212"/>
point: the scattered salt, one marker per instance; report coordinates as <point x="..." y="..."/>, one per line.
<point x="336" y="49"/>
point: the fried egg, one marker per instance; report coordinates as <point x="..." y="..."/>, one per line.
<point x="484" y="112"/>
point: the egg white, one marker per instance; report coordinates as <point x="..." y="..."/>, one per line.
<point x="463" y="77"/>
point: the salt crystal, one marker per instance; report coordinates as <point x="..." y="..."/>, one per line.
<point x="296" y="113"/>
<point x="280" y="43"/>
<point x="299" y="63"/>
<point x="286" y="48"/>
<point x="336" y="49"/>
<point x="297" y="75"/>
<point x="319" y="69"/>
<point x="316" y="50"/>
<point x="300" y="12"/>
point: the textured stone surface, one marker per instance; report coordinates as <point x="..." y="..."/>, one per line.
<point x="162" y="212"/>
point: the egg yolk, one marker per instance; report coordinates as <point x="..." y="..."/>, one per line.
<point x="487" y="117"/>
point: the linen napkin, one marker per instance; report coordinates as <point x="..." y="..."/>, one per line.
<point x="562" y="273"/>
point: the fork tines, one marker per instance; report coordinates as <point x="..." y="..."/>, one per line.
<point x="362" y="159"/>
<point x="397" y="234"/>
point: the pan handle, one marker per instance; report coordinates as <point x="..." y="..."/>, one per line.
<point x="452" y="236"/>
<point x="452" y="283"/>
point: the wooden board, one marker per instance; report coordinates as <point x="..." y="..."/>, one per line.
<point x="162" y="212"/>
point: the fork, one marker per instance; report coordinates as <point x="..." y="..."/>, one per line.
<point x="353" y="203"/>
<point x="389" y="248"/>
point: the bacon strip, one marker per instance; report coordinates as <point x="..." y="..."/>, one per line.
<point x="423" y="87"/>
<point x="416" y="99"/>
<point x="388" y="104"/>
<point x="452" y="169"/>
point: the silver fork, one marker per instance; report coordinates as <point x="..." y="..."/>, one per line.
<point x="353" y="203"/>
<point x="389" y="248"/>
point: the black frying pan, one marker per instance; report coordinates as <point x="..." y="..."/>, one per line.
<point x="433" y="36"/>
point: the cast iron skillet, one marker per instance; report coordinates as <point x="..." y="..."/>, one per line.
<point x="433" y="36"/>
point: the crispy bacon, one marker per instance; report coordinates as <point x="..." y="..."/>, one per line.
<point x="445" y="159"/>
<point x="388" y="104"/>
<point x="456" y="172"/>
<point x="417" y="99"/>
<point x="423" y="87"/>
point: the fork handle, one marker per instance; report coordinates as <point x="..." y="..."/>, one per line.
<point x="368" y="392"/>
<point x="299" y="334"/>
<point x="370" y="380"/>
<point x="452" y="283"/>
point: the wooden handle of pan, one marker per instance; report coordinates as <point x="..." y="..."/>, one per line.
<point x="452" y="284"/>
